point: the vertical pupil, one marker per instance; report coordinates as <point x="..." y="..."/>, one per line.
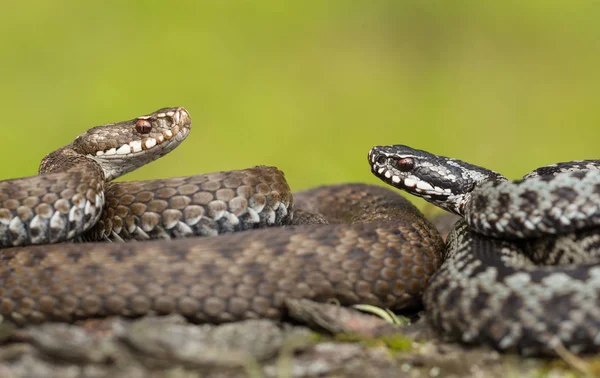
<point x="143" y="126"/>
<point x="405" y="164"/>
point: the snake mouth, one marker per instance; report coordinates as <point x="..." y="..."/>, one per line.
<point x="409" y="183"/>
<point x="122" y="147"/>
<point x="159" y="136"/>
<point x="400" y="171"/>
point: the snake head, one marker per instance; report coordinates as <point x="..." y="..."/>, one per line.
<point x="124" y="146"/>
<point x="442" y="181"/>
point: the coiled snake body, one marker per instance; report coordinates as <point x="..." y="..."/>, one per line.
<point x="383" y="257"/>
<point x="383" y="252"/>
<point x="490" y="288"/>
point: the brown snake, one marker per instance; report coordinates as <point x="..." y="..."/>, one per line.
<point x="382" y="252"/>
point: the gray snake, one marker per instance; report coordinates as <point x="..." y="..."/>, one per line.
<point x="186" y="260"/>
<point x="520" y="272"/>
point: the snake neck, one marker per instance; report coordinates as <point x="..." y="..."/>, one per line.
<point x="66" y="198"/>
<point x="68" y="160"/>
<point x="119" y="148"/>
<point x="445" y="182"/>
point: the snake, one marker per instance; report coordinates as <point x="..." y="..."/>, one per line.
<point x="520" y="271"/>
<point x="214" y="248"/>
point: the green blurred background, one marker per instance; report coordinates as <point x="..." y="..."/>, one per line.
<point x="307" y="86"/>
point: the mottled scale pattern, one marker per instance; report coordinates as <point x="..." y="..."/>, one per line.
<point x="201" y="205"/>
<point x="383" y="256"/>
<point x="521" y="272"/>
<point x="50" y="208"/>
<point x="489" y="292"/>
<point x="235" y="276"/>
<point x="565" y="166"/>
<point x="548" y="204"/>
<point x="67" y="196"/>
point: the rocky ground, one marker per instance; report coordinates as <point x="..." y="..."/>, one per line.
<point x="346" y="344"/>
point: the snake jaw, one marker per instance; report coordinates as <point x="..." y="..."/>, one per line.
<point x="444" y="182"/>
<point x="122" y="147"/>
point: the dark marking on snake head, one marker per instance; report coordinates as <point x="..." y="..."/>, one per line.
<point x="597" y="188"/>
<point x="566" y="193"/>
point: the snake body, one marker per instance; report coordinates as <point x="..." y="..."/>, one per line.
<point x="67" y="197"/>
<point x="200" y="205"/>
<point x="383" y="253"/>
<point x="500" y="283"/>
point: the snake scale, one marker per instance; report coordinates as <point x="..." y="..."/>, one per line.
<point x="521" y="270"/>
<point x="378" y="248"/>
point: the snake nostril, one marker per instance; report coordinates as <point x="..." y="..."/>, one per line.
<point x="381" y="159"/>
<point x="182" y="116"/>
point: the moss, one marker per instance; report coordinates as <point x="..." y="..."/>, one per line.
<point x="586" y="367"/>
<point x="396" y="342"/>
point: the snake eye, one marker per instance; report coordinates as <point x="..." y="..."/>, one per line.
<point x="381" y="159"/>
<point x="405" y="164"/>
<point x="143" y="126"/>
